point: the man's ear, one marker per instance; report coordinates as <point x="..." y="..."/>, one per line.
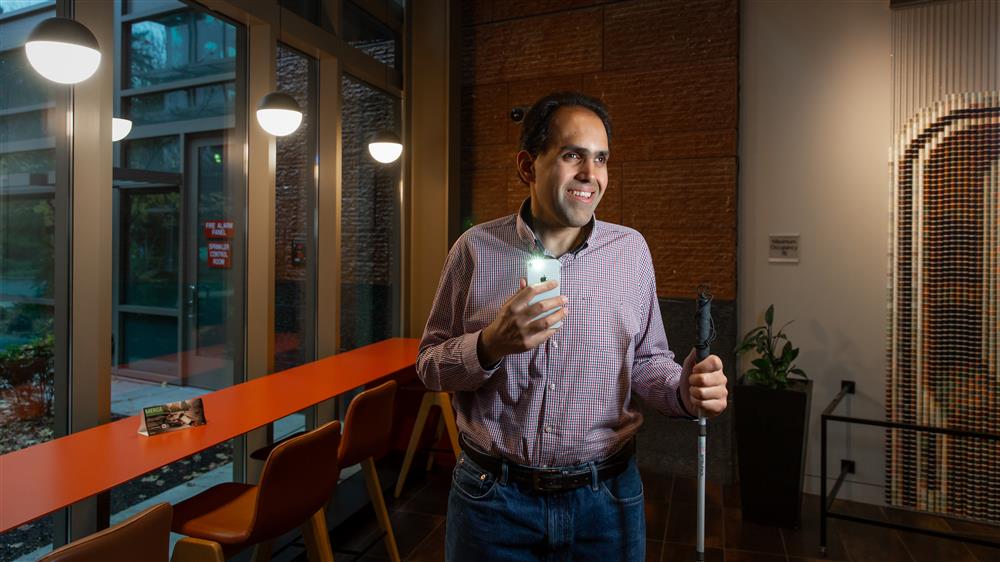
<point x="525" y="167"/>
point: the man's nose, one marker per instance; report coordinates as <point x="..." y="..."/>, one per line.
<point x="586" y="171"/>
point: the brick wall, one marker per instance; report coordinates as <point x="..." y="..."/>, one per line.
<point x="669" y="74"/>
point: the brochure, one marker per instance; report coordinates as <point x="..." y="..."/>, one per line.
<point x="171" y="417"/>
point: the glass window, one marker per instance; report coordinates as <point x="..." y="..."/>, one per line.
<point x="151" y="260"/>
<point x="21" y="84"/>
<point x="294" y="240"/>
<point x="178" y="105"/>
<point x="178" y="234"/>
<point x="25" y="126"/>
<point x="370" y="242"/>
<point x="179" y="46"/>
<point x="295" y="204"/>
<point x="9" y="6"/>
<point x="29" y="199"/>
<point x="310" y="10"/>
<point x="161" y="154"/>
<point x="366" y="33"/>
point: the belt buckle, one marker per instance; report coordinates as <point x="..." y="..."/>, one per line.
<point x="539" y="480"/>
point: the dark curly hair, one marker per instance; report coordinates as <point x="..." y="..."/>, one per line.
<point x="535" y="129"/>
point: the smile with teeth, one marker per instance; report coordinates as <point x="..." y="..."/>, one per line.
<point x="582" y="194"/>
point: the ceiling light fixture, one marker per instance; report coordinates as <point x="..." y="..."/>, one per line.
<point x="385" y="147"/>
<point x="120" y="128"/>
<point x="279" y="114"/>
<point x="63" y="50"/>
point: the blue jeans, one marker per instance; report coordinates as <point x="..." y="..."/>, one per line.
<point x="491" y="519"/>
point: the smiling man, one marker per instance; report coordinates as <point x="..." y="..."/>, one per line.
<point x="545" y="405"/>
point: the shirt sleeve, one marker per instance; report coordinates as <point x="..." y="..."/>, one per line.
<point x="656" y="376"/>
<point x="448" y="358"/>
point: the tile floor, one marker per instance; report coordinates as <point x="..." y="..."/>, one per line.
<point x="419" y="522"/>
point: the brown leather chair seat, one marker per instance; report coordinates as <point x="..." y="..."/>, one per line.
<point x="367" y="429"/>
<point x="297" y="480"/>
<point x="222" y="513"/>
<point x="144" y="536"/>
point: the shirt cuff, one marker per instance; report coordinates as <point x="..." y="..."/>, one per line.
<point x="680" y="402"/>
<point x="470" y="355"/>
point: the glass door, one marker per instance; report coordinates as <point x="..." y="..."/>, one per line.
<point x="148" y="266"/>
<point x="211" y="322"/>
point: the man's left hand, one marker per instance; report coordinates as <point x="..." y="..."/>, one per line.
<point x="703" y="385"/>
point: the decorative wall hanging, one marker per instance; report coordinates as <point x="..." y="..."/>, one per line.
<point x="944" y="283"/>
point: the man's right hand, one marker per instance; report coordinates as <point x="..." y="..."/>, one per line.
<point x="513" y="330"/>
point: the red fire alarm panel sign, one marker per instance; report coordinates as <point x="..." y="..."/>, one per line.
<point x="219" y="255"/>
<point x="218" y="229"/>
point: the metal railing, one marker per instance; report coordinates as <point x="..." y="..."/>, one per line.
<point x="847" y="467"/>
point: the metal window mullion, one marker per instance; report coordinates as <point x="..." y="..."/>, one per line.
<point x="90" y="254"/>
<point x="260" y="230"/>
<point x="328" y="204"/>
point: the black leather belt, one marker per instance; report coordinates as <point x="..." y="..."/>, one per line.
<point x="555" y="479"/>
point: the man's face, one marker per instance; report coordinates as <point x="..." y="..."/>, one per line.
<point x="571" y="173"/>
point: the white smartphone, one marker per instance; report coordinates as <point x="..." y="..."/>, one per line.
<point x="541" y="270"/>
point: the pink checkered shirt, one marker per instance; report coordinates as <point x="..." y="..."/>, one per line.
<point x="568" y="401"/>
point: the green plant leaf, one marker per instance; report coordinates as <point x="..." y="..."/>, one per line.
<point x="769" y="315"/>
<point x="799" y="372"/>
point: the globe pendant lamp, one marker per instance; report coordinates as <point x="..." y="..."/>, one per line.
<point x="63" y="50"/>
<point x="279" y="114"/>
<point x="120" y="128"/>
<point x="385" y="147"/>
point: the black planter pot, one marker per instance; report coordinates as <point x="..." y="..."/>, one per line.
<point x="772" y="427"/>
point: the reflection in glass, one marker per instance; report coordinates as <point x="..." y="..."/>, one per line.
<point x="294" y="251"/>
<point x="28" y="203"/>
<point x="151" y="262"/>
<point x="160" y="154"/>
<point x="178" y="308"/>
<point x="366" y="33"/>
<point x="180" y="46"/>
<point x="178" y="105"/>
<point x="370" y="241"/>
<point x="294" y="241"/>
<point x="8" y="6"/>
<point x="310" y="10"/>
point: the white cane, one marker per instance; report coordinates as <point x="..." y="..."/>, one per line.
<point x="706" y="334"/>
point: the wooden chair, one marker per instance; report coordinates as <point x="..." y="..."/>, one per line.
<point x="441" y="400"/>
<point x="298" y="478"/>
<point x="367" y="429"/>
<point x="144" y="536"/>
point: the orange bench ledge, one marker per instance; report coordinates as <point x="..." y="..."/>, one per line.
<point x="43" y="478"/>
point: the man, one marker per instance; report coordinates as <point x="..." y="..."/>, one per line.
<point x="546" y="410"/>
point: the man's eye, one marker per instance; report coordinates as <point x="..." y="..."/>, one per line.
<point x="602" y="159"/>
<point x="571" y="155"/>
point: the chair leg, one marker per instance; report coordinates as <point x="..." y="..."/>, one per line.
<point x="378" y="502"/>
<point x="190" y="549"/>
<point x="437" y="437"/>
<point x="262" y="551"/>
<point x="317" y="539"/>
<point x="418" y="428"/>
<point x="449" y="421"/>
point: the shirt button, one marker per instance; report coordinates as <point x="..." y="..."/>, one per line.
<point x="555" y="344"/>
<point x="552" y="386"/>
<point x="548" y="429"/>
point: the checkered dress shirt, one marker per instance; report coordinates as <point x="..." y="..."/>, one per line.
<point x="568" y="401"/>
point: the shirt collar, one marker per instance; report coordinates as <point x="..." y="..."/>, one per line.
<point x="527" y="234"/>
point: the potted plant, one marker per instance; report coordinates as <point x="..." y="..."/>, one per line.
<point x="772" y="426"/>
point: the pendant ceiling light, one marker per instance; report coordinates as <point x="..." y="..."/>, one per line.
<point x="385" y="147"/>
<point x="120" y="128"/>
<point x="279" y="114"/>
<point x="63" y="50"/>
